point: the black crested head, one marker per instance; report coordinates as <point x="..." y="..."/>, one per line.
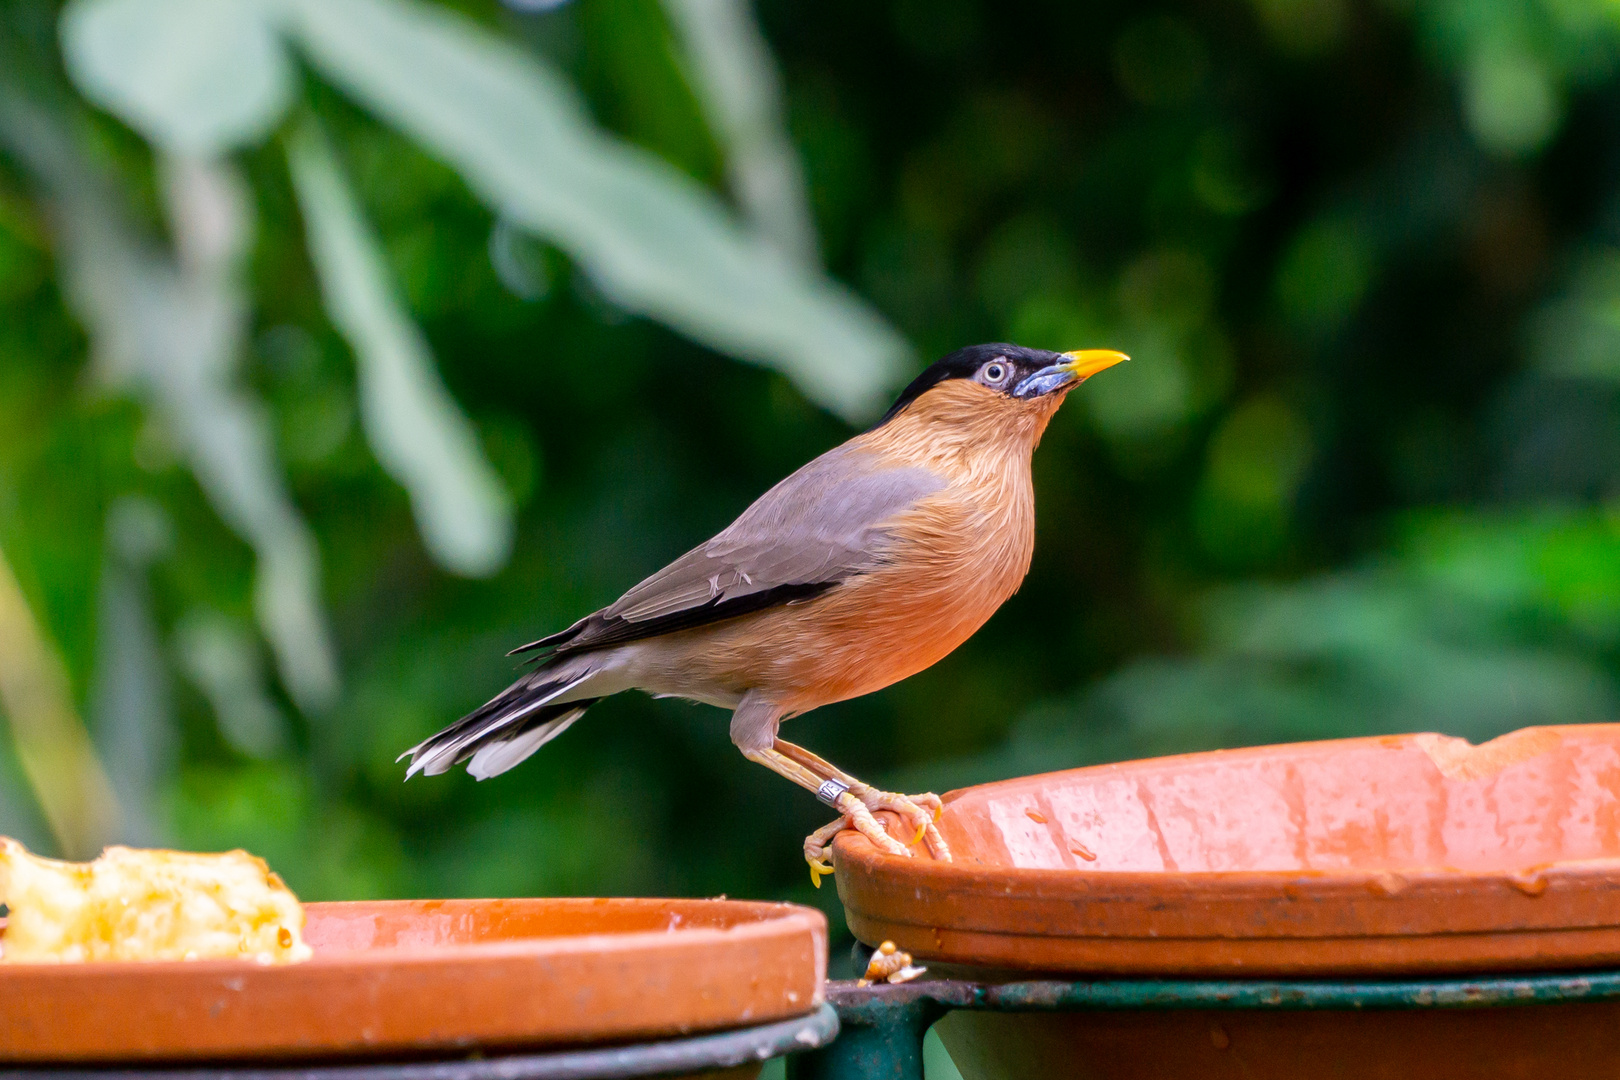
<point x="970" y="362"/>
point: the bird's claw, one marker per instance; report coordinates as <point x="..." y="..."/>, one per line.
<point x="818" y="869"/>
<point x="911" y="809"/>
<point x="858" y="816"/>
<point x="818" y="850"/>
<point x="856" y="807"/>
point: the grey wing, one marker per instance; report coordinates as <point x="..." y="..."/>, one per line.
<point x="822" y="525"/>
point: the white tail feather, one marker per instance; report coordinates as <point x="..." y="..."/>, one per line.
<point x="441" y="758"/>
<point x="496" y="757"/>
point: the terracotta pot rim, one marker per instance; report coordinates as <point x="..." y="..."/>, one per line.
<point x="1024" y="895"/>
<point x="509" y="974"/>
<point x="853" y="847"/>
<point x="773" y="916"/>
<point x="1392" y="741"/>
<point x="406" y="956"/>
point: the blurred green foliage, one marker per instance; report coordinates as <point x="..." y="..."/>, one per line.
<point x="1361" y="476"/>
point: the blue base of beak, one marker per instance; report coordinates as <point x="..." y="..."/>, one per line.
<point x="1045" y="381"/>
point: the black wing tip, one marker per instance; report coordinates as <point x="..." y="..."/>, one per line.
<point x="597" y="632"/>
<point x="533" y="646"/>
<point x="552" y="641"/>
<point x="600" y="633"/>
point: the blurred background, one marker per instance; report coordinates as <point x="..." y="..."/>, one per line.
<point x="347" y="344"/>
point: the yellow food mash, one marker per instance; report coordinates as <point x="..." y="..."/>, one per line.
<point x="147" y="905"/>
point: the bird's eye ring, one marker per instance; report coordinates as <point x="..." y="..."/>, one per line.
<point x="994" y="373"/>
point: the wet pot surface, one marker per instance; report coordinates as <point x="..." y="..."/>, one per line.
<point x="420" y="978"/>
<point x="1392" y="855"/>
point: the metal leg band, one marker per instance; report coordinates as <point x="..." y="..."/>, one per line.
<point x="830" y="790"/>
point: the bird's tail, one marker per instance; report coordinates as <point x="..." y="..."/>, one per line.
<point x="511" y="726"/>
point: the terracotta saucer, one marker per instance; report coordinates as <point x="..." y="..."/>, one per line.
<point x="420" y="976"/>
<point x="1401" y="854"/>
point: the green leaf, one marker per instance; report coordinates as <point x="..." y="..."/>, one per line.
<point x="653" y="240"/>
<point x="418" y="433"/>
<point x="171" y="331"/>
<point x="130" y="707"/>
<point x="198" y="77"/>
<point x="736" y="80"/>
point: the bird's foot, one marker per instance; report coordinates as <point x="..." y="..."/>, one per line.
<point x="918" y="811"/>
<point x="857" y="805"/>
<point x="818" y="850"/>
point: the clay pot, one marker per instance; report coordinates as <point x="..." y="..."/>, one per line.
<point x="1400" y="854"/>
<point x="435" y="978"/>
<point x="1406" y="857"/>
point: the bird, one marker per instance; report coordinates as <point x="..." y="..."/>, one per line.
<point x="867" y="565"/>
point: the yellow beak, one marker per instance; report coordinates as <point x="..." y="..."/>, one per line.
<point x="1080" y="366"/>
<point x="1084" y="363"/>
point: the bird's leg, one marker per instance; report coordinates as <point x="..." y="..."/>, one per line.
<point x="921" y="811"/>
<point x="856" y="815"/>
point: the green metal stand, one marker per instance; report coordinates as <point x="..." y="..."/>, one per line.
<point x="881" y="1031"/>
<point x="883" y="1026"/>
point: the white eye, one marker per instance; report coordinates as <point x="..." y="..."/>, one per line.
<point x="994" y="373"/>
